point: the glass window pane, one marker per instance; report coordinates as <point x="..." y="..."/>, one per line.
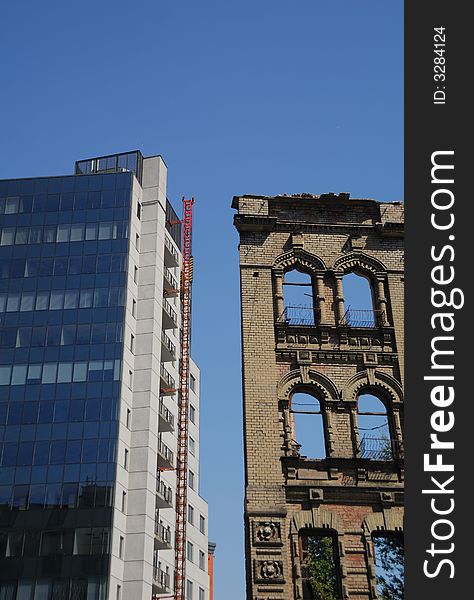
<point x="65" y="372"/>
<point x="34" y="373"/>
<point x="38" y="336"/>
<point x="91" y="231"/>
<point x="27" y="301"/>
<point x="49" y="234"/>
<point x="68" y="335"/>
<point x="42" y="301"/>
<point x="36" y="235"/>
<point x="19" y="375"/>
<point x="71" y="299"/>
<point x="80" y="371"/>
<point x="8" y="235"/>
<point x="13" y="302"/>
<point x="63" y="233"/>
<point x="3" y="302"/>
<point x="105" y="231"/>
<point x="77" y="232"/>
<point x="49" y="373"/>
<point x="22" y="235"/>
<point x="23" y="337"/>
<point x="11" y="205"/>
<point x="5" y="375"/>
<point x="56" y="301"/>
<point x="86" y="299"/>
<point x="53" y="336"/>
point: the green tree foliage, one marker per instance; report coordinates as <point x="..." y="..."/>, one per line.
<point x="321" y="568"/>
<point x="389" y="567"/>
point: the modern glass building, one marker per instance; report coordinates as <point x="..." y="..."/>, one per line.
<point x="89" y="347"/>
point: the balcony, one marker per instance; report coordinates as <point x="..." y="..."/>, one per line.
<point x="166" y="419"/>
<point x="165" y="456"/>
<point x="170" y="283"/>
<point x="306" y="316"/>
<point x="170" y="317"/>
<point x="164" y="494"/>
<point x="162" y="536"/>
<point x="373" y="448"/>
<point x="171" y="254"/>
<point x="168" y="349"/>
<point x="161" y="582"/>
<point x="167" y="382"/>
<point x="355" y="317"/>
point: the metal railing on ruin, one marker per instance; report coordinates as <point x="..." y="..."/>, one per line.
<point x="356" y="317"/>
<point x="380" y="448"/>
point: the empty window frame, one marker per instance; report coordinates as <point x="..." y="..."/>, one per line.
<point x="308" y="425"/>
<point x="389" y="565"/>
<point x="298" y="298"/>
<point x="190" y="551"/>
<point x="374" y="429"/>
<point x="320" y="565"/>
<point x="359" y="301"/>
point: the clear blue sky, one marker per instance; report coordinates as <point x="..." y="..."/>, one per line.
<point x="248" y="96"/>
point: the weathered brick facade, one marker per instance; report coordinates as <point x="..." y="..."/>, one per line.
<point x="345" y="493"/>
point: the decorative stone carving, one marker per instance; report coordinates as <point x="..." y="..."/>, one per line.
<point x="269" y="571"/>
<point x="267" y="532"/>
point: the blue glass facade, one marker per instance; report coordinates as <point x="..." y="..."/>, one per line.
<point x="63" y="262"/>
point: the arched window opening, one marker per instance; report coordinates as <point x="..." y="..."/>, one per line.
<point x="389" y="567"/>
<point x="308" y="425"/>
<point x="298" y="298"/>
<point x="374" y="429"/>
<point x="359" y="301"/>
<point x="320" y="565"/>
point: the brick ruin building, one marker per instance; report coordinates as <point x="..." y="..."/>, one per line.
<point x="346" y="363"/>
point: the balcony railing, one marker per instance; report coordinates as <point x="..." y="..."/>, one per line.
<point x="171" y="283"/>
<point x="169" y="349"/>
<point x="171" y="255"/>
<point x="165" y="456"/>
<point x="166" y="418"/>
<point x="164" y="492"/>
<point x="170" y="317"/>
<point x="355" y="317"/>
<point x="161" y="580"/>
<point x="301" y="315"/>
<point x="163" y="535"/>
<point x="168" y="384"/>
<point x="380" y="448"/>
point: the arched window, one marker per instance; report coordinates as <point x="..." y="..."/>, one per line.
<point x="298" y="298"/>
<point x="374" y="428"/>
<point x="358" y="301"/>
<point x="389" y="564"/>
<point x="320" y="564"/>
<point x="308" y="425"/>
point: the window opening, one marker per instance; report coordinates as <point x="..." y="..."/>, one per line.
<point x="319" y="566"/>
<point x="359" y="302"/>
<point x="389" y="566"/>
<point x="308" y="425"/>
<point x="374" y="429"/>
<point x="298" y="298"/>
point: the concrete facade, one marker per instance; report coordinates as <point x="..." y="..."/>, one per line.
<point x="348" y="493"/>
<point x="149" y="411"/>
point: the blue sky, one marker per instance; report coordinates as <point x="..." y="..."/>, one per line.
<point x="239" y="97"/>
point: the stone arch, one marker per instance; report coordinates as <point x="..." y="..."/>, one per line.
<point x="360" y="260"/>
<point x="373" y="380"/>
<point x="298" y="257"/>
<point x="387" y="520"/>
<point x="307" y="380"/>
<point x="316" y="518"/>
